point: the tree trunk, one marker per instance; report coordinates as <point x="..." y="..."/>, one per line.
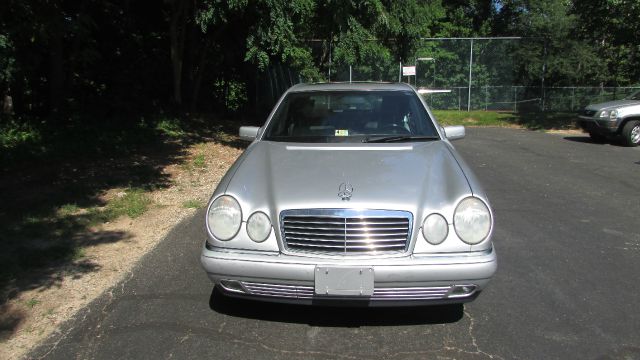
<point x="56" y="71"/>
<point x="177" y="30"/>
<point x="197" y="83"/>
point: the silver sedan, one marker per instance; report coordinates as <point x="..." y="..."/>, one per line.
<point x="350" y="194"/>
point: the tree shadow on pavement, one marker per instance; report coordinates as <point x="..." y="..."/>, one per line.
<point x="51" y="206"/>
<point x="326" y="316"/>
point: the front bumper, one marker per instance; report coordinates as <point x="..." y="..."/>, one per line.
<point x="410" y="280"/>
<point x="598" y="125"/>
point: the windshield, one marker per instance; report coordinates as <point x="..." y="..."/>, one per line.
<point x="350" y="116"/>
<point x="634" y="96"/>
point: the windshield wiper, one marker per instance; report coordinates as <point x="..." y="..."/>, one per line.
<point x="399" y="138"/>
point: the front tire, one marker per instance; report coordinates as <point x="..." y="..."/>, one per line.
<point x="631" y="133"/>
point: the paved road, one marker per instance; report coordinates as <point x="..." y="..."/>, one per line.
<point x="567" y="286"/>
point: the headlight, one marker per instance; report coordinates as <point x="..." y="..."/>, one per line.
<point x="258" y="226"/>
<point x="435" y="229"/>
<point x="611" y="114"/>
<point x="224" y="217"/>
<point x="472" y="220"/>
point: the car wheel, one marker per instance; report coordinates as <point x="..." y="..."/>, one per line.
<point x="599" y="138"/>
<point x="631" y="133"/>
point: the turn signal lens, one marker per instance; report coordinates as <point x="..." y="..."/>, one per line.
<point x="435" y="229"/>
<point x="258" y="226"/>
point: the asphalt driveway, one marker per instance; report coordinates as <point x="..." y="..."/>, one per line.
<point x="567" y="235"/>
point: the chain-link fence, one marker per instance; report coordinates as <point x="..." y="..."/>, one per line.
<point x="492" y="74"/>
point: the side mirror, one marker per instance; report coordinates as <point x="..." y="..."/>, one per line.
<point x="249" y="133"/>
<point x="454" y="132"/>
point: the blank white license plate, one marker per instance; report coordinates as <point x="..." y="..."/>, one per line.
<point x="344" y="280"/>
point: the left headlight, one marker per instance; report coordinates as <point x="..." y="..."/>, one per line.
<point x="611" y="114"/>
<point x="472" y="220"/>
<point x="224" y="217"/>
<point x="258" y="226"/>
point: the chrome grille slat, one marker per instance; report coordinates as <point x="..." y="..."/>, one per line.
<point x="378" y="240"/>
<point x="317" y="245"/>
<point x="300" y="238"/>
<point x="314" y="233"/>
<point x="346" y="231"/>
<point x="308" y="292"/>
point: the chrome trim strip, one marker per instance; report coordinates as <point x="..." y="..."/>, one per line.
<point x="382" y="294"/>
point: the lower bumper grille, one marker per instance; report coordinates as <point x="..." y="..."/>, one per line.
<point x="307" y="292"/>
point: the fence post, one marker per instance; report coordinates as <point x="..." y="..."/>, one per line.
<point x="573" y="97"/>
<point x="486" y="97"/>
<point x="459" y="99"/>
<point x="470" y="66"/>
<point x="349" y="73"/>
<point x="515" y="99"/>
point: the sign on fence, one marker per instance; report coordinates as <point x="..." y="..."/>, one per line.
<point x="408" y="71"/>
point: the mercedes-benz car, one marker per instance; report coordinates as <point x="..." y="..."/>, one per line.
<point x="350" y="194"/>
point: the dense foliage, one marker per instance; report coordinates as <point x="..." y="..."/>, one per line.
<point x="62" y="60"/>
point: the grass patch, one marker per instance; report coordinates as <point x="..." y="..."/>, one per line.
<point x="68" y="209"/>
<point x="192" y="204"/>
<point x="14" y="135"/>
<point x="199" y="161"/>
<point x="532" y="121"/>
<point x="78" y="253"/>
<point x="475" y="118"/>
<point x="171" y="128"/>
<point x="133" y="203"/>
<point x="31" y="303"/>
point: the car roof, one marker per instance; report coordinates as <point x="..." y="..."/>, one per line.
<point x="364" y="86"/>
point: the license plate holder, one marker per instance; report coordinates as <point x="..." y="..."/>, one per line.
<point x="344" y="280"/>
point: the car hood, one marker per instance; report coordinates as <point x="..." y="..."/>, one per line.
<point x="416" y="177"/>
<point x="612" y="104"/>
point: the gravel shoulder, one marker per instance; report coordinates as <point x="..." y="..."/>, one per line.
<point x="39" y="311"/>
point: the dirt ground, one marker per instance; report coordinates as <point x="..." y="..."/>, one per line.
<point x="39" y="311"/>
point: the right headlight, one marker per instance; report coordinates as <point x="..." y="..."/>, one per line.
<point x="224" y="217"/>
<point x="472" y="220"/>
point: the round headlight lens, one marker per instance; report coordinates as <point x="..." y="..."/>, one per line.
<point x="435" y="229"/>
<point x="225" y="217"/>
<point x="613" y="115"/>
<point x="472" y="220"/>
<point x="604" y="113"/>
<point x="258" y="226"/>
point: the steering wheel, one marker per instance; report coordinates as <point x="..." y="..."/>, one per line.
<point x="394" y="129"/>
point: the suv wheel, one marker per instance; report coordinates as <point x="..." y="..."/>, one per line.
<point x="631" y="133"/>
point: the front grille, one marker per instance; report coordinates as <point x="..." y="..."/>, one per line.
<point x="589" y="113"/>
<point x="343" y="231"/>
<point x="307" y="292"/>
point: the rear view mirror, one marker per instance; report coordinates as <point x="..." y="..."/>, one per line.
<point x="454" y="132"/>
<point x="249" y="133"/>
